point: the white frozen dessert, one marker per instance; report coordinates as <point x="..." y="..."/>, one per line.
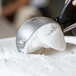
<point x="48" y="36"/>
<point x="13" y="63"/>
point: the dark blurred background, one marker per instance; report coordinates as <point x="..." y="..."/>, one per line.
<point x="48" y="8"/>
<point x="13" y="13"/>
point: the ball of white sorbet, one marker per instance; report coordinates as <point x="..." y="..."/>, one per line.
<point x="48" y="36"/>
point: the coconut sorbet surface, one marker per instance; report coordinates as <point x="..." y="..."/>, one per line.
<point x="51" y="63"/>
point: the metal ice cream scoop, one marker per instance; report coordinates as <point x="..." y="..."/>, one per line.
<point x="30" y="26"/>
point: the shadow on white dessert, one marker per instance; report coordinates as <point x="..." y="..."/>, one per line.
<point x="70" y="48"/>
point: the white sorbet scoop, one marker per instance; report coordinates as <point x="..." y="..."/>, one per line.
<point x="40" y="32"/>
<point x="48" y="36"/>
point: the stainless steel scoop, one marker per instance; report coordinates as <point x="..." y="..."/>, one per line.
<point x="30" y="26"/>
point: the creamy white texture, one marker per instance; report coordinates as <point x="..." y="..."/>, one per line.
<point x="13" y="63"/>
<point x="47" y="36"/>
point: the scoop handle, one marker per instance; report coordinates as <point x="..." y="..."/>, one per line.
<point x="66" y="9"/>
<point x="65" y="13"/>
